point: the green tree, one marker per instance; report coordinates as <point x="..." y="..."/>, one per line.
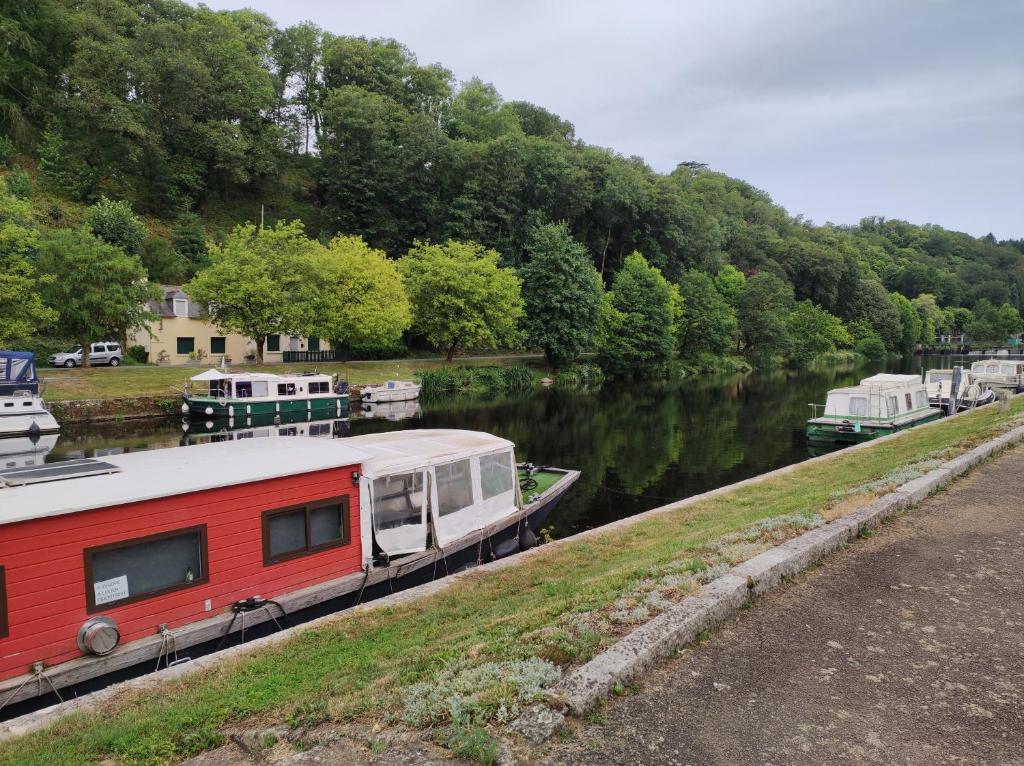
<point x="729" y="282"/>
<point x="764" y="306"/>
<point x="910" y="322"/>
<point x="992" y="324"/>
<point x="461" y="298"/>
<point x="873" y="305"/>
<point x="98" y="290"/>
<point x="255" y="281"/>
<point x="931" y="316"/>
<point x="708" y="322"/>
<point x="813" y="331"/>
<point x="636" y="335"/>
<point x="189" y="242"/>
<point x="356" y="296"/>
<point x="23" y="314"/>
<point x="562" y="295"/>
<point x="115" y="223"/>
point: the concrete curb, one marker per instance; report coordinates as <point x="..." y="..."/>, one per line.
<point x="661" y="637"/>
<point x="39" y="719"/>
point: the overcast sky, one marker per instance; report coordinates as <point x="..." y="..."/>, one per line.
<point x="909" y="109"/>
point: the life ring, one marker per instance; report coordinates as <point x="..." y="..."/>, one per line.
<point x="222" y="401"/>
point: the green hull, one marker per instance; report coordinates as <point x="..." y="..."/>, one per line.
<point x="210" y="407"/>
<point x="830" y="433"/>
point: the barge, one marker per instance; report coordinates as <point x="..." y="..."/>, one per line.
<point x="879" y="405"/>
<point x="111" y="568"/>
<point x="239" y="395"/>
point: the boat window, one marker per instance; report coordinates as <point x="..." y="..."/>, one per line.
<point x="319" y="387"/>
<point x="454" y="487"/>
<point x="3" y="603"/>
<point x="909" y="400"/>
<point x="858" y="405"/>
<point x="143" y="567"/>
<point x="398" y="501"/>
<point x="260" y="388"/>
<point x="496" y="475"/>
<point x="286" y="389"/>
<point x="243" y="389"/>
<point x="940" y="376"/>
<point x="294" y="532"/>
<point x="994" y="368"/>
<point x="894" y="405"/>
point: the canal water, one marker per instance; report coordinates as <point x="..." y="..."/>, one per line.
<point x="638" y="445"/>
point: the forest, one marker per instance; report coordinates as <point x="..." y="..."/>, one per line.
<point x="140" y="134"/>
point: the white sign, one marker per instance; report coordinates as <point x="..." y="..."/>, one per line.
<point x="111" y="590"/>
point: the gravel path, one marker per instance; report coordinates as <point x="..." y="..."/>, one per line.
<point x="906" y="648"/>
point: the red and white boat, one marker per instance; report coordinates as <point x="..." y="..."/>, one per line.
<point x="151" y="557"/>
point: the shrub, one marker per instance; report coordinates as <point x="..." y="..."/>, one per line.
<point x="476" y="380"/>
<point x="7" y="151"/>
<point x="138" y="353"/>
<point x="19" y="184"/>
<point x="580" y="376"/>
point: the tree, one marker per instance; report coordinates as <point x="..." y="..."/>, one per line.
<point x="356" y="296"/>
<point x="562" y="295"/>
<point x="910" y="322"/>
<point x="461" y="298"/>
<point x="636" y="334"/>
<point x="931" y="316"/>
<point x="813" y="331"/>
<point x="254" y="281"/>
<point x="189" y="242"/>
<point x="98" y="290"/>
<point x="116" y="224"/>
<point x="708" y="322"/>
<point x="763" y="308"/>
<point x="729" y="282"/>
<point x="993" y="324"/>
<point x="873" y="305"/>
<point x="866" y="341"/>
<point x="22" y="311"/>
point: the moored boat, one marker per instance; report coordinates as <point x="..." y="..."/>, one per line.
<point x="132" y="562"/>
<point x="219" y="394"/>
<point x="879" y="405"/>
<point x="999" y="373"/>
<point x="22" y="411"/>
<point x="955" y="390"/>
<point x="391" y="391"/>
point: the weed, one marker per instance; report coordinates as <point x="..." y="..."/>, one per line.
<point x="473" y="741"/>
<point x="309" y="714"/>
<point x="379" y="746"/>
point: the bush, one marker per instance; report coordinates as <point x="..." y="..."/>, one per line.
<point x="476" y="380"/>
<point x="580" y="376"/>
<point x="138" y="353"/>
<point x="872" y="347"/>
<point x="7" y="151"/>
<point x="19" y="184"/>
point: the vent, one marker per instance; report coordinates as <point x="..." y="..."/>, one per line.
<point x="65" y="469"/>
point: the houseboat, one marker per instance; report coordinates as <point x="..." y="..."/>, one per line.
<point x="237" y="395"/>
<point x="877" y="406"/>
<point x="22" y="411"/>
<point x="392" y="391"/>
<point x="955" y="390"/>
<point x="1000" y="374"/>
<point x="135" y="562"/>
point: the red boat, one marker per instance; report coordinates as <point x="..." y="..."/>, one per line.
<point x="109" y="563"/>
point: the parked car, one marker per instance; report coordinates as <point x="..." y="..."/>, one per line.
<point x="104" y="352"/>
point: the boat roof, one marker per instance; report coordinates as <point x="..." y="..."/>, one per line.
<point x="890" y="379"/>
<point x="866" y="389"/>
<point x="140" y="476"/>
<point x="214" y="374"/>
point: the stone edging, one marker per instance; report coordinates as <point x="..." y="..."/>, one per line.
<point x="660" y="638"/>
<point x="39" y="719"/>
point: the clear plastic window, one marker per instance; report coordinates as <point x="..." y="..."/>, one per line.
<point x="858" y="405"/>
<point x="454" y="487"/>
<point x="894" y="405"/>
<point x="398" y="500"/>
<point x="496" y="475"/>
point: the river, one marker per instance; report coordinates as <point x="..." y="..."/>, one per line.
<point x="638" y="446"/>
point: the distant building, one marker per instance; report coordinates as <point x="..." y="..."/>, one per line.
<point x="953" y="340"/>
<point x="182" y="333"/>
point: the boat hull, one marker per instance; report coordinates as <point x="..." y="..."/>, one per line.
<point x="500" y="539"/>
<point x="210" y="407"/>
<point x="843" y="433"/>
<point x="23" y="423"/>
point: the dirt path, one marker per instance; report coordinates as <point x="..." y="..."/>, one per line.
<point x="907" y="648"/>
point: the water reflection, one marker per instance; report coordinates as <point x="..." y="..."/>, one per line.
<point x="637" y="446"/>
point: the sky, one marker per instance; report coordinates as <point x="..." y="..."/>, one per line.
<point x="911" y="109"/>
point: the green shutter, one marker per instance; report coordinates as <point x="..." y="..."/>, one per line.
<point x="314" y="343"/>
<point x="273" y="343"/>
<point x="186" y="345"/>
<point x="218" y="345"/>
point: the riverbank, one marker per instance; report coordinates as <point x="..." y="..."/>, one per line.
<point x="496" y="636"/>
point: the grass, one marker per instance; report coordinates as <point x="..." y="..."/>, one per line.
<point x="359" y="664"/>
<point x="125" y="382"/>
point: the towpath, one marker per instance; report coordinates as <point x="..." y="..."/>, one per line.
<point x="906" y="648"/>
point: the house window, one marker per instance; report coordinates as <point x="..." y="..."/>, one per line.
<point x="181" y="307"/>
<point x="273" y="343"/>
<point x="186" y="345"/>
<point x="3" y="603"/>
<point x="314" y="343"/>
<point x="131" y="570"/>
<point x="454" y="487"/>
<point x="218" y="345"/>
<point x="294" y="532"/>
<point x="496" y="477"/>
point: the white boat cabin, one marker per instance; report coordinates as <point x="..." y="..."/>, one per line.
<point x="435" y="486"/>
<point x="882" y="397"/>
<point x="262" y="385"/>
<point x="998" y="371"/>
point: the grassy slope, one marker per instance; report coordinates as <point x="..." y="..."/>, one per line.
<point x="107" y="383"/>
<point x="359" y="661"/>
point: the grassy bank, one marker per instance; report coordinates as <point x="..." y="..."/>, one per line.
<point x="380" y="664"/>
<point x="121" y="382"/>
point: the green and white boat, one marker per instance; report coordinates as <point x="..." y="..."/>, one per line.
<point x="878" y="406"/>
<point x="239" y="395"/>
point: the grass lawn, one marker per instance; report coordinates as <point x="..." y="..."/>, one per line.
<point x="145" y="380"/>
<point x="355" y="666"/>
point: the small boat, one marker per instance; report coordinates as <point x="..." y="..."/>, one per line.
<point x="392" y="391"/>
<point x="393" y="411"/>
<point x="958" y="386"/>
<point x="238" y="395"/>
<point x="22" y="411"/>
<point x="116" y="567"/>
<point x="999" y="373"/>
<point x="879" y="405"/>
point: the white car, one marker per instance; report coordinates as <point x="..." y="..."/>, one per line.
<point x="104" y="352"/>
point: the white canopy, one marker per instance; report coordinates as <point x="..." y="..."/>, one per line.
<point x="210" y="374"/>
